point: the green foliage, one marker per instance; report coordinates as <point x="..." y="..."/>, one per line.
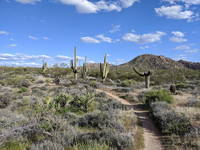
<point x="158" y="95"/>
<point x="22" y="90"/>
<point x="127" y="83"/>
<point x="84" y="102"/>
<point x="63" y="100"/>
<point x="14" y="146"/>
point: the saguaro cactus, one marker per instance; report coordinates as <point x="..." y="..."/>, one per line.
<point x="44" y="66"/>
<point x="84" y="69"/>
<point x="104" y="69"/>
<point x="146" y="75"/>
<point x="74" y="64"/>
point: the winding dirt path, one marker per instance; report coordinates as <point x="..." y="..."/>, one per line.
<point x="151" y="134"/>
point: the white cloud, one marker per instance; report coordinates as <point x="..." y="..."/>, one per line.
<point x="32" y="37"/>
<point x="3" y="32"/>
<point x="20" y="64"/>
<point x="187" y="49"/>
<point x="183" y="47"/>
<point x="18" y="57"/>
<point x="115" y="28"/>
<point x="178" y="37"/>
<point x="107" y="6"/>
<point x="178" y="33"/>
<point x="12" y="45"/>
<point x="88" y="39"/>
<point x="189" y="2"/>
<point x="62" y="57"/>
<point x="127" y="3"/>
<point x="45" y="38"/>
<point x="86" y="6"/>
<point x="104" y="38"/>
<point x="97" y="39"/>
<point x="28" y="1"/>
<point x="175" y="12"/>
<point x="144" y="38"/>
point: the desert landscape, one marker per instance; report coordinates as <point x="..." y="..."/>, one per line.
<point x="99" y="75"/>
<point x="101" y="107"/>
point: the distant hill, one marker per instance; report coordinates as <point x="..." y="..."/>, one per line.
<point x="154" y="62"/>
<point x="190" y="65"/>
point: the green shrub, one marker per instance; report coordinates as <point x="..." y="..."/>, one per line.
<point x="158" y="95"/>
<point x="22" y="90"/>
<point x="62" y="100"/>
<point x="127" y="83"/>
<point x="168" y="120"/>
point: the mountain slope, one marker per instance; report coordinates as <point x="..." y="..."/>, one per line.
<point x="153" y="62"/>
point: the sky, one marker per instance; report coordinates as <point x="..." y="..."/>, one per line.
<point x="33" y="31"/>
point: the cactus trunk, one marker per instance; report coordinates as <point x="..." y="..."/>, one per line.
<point x="84" y="69"/>
<point x="147" y="81"/>
<point x="104" y="69"/>
<point x="146" y="75"/>
<point x="74" y="65"/>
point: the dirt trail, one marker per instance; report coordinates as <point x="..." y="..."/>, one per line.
<point x="151" y="134"/>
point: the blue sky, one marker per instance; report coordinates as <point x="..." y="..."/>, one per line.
<point x="33" y="30"/>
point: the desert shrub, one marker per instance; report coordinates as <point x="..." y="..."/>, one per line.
<point x="22" y="90"/>
<point x="84" y="102"/>
<point x="100" y="120"/>
<point x="168" y="120"/>
<point x="89" y="146"/>
<point x="116" y="140"/>
<point x="14" y="145"/>
<point x="4" y="100"/>
<point x="158" y="95"/>
<point x="47" y="145"/>
<point x="108" y="104"/>
<point x="193" y="103"/>
<point x="127" y="83"/>
<point x="62" y="100"/>
<point x="24" y="83"/>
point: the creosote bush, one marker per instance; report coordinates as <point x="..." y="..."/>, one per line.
<point x="158" y="95"/>
<point x="113" y="138"/>
<point x="100" y="120"/>
<point x="4" y="100"/>
<point x="169" y="121"/>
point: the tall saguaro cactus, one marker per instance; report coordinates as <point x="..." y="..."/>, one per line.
<point x="146" y="75"/>
<point x="44" y="66"/>
<point x="74" y="64"/>
<point x="84" y="69"/>
<point x="104" y="69"/>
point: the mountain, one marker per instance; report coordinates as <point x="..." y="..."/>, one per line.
<point x="190" y="65"/>
<point x="154" y="62"/>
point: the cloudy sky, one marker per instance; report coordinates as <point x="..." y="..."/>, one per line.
<point x="35" y="30"/>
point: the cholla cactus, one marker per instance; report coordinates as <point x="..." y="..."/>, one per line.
<point x="146" y="75"/>
<point x="74" y="64"/>
<point x="84" y="69"/>
<point x="104" y="69"/>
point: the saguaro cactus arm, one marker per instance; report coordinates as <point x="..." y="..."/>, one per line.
<point x="138" y="72"/>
